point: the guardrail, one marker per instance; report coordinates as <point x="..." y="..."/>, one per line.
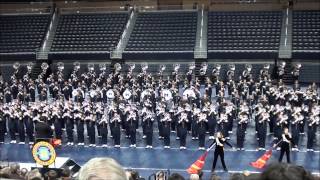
<point x="94" y="9"/>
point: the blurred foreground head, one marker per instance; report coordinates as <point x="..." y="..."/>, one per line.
<point x="102" y="169"/>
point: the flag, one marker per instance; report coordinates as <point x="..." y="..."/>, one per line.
<point x="262" y="161"/>
<point x="55" y="142"/>
<point x="198" y="165"/>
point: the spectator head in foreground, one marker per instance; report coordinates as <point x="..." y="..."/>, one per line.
<point x="176" y="176"/>
<point x="282" y="171"/>
<point x="102" y="169"/>
<point x="194" y="177"/>
<point x="34" y="175"/>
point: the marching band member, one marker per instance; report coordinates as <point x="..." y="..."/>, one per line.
<point x="147" y="122"/>
<point x="201" y="125"/>
<point x="166" y="121"/>
<point x="286" y="141"/>
<point x="182" y="129"/>
<point x="212" y="121"/>
<point x="297" y="119"/>
<point x="115" y="128"/>
<point x="262" y="128"/>
<point x="29" y="125"/>
<point x="21" y="128"/>
<point x="91" y="130"/>
<point x="132" y="126"/>
<point x="314" y="120"/>
<point x="219" y="151"/>
<point x="68" y="119"/>
<point x="222" y="122"/>
<point x="194" y="124"/>
<point x="242" y="126"/>
<point x="103" y="126"/>
<point x="13" y="123"/>
<point x="80" y="121"/>
<point x="2" y="124"/>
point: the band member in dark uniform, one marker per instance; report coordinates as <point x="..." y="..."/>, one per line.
<point x="262" y="128"/>
<point x="42" y="129"/>
<point x="312" y="129"/>
<point x="56" y="118"/>
<point x="13" y="124"/>
<point x="69" y="126"/>
<point x="132" y="125"/>
<point x="166" y="121"/>
<point x="219" y="150"/>
<point x="21" y="128"/>
<point x="80" y="121"/>
<point x="242" y="126"/>
<point x="202" y="120"/>
<point x="285" y="145"/>
<point x="92" y="131"/>
<point x="103" y="125"/>
<point x="212" y="121"/>
<point x="2" y="125"/>
<point x="297" y="119"/>
<point x="148" y="126"/>
<point x="182" y="129"/>
<point x="116" y="121"/>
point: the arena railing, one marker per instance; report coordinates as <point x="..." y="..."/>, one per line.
<point x="168" y="8"/>
<point x="94" y="9"/>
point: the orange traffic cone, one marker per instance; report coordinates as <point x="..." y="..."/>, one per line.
<point x="198" y="165"/>
<point x="262" y="161"/>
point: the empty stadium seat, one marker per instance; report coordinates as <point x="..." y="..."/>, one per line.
<point x="305" y="34"/>
<point x="22" y="33"/>
<point x="163" y="31"/>
<point x="89" y="32"/>
<point x="244" y="31"/>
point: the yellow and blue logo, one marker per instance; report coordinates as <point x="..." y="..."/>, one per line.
<point x="43" y="153"/>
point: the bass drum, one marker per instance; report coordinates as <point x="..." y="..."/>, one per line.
<point x="167" y="95"/>
<point x="110" y="94"/>
<point x="127" y="94"/>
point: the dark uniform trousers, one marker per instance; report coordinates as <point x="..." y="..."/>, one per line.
<point x="116" y="133"/>
<point x="21" y="131"/>
<point x="29" y="129"/>
<point x="149" y="132"/>
<point x="241" y="134"/>
<point x="69" y="128"/>
<point x="218" y="152"/>
<point x="2" y="130"/>
<point x="80" y="131"/>
<point x="166" y="133"/>
<point x="285" y="148"/>
<point x="104" y="133"/>
<point x="57" y="128"/>
<point x="182" y="133"/>
<point x="262" y="133"/>
<point x="201" y="133"/>
<point x="92" y="132"/>
<point x="212" y="122"/>
<point x="311" y="136"/>
<point x="132" y="132"/>
<point x="13" y="128"/>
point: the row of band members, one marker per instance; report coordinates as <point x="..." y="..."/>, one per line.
<point x="98" y="120"/>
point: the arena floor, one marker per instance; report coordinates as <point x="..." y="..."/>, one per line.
<point x="148" y="161"/>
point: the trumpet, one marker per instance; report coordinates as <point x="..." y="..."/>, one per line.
<point x="314" y="120"/>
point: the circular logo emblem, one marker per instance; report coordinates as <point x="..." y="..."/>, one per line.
<point x="43" y="153"/>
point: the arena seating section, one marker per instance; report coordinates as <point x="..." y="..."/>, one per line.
<point x="156" y="34"/>
<point x="88" y="32"/>
<point x="306" y="32"/>
<point x="22" y="34"/>
<point x="247" y="34"/>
